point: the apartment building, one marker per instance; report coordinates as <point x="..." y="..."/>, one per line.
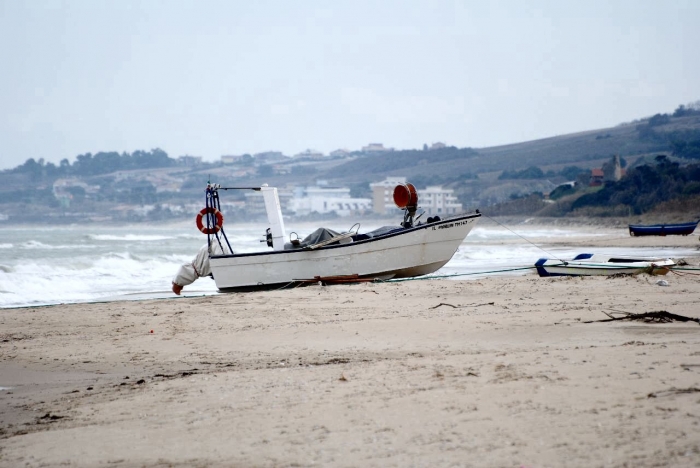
<point x="323" y="200"/>
<point x="383" y="195"/>
<point x="433" y="200"/>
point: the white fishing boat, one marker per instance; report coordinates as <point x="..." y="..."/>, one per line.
<point x="411" y="248"/>
<point x="587" y="264"/>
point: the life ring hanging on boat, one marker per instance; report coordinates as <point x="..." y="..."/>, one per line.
<point x="219" y="220"/>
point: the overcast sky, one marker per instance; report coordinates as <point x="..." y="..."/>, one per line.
<point x="208" y="78"/>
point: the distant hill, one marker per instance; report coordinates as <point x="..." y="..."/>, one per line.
<point x="474" y="173"/>
<point x="662" y="191"/>
<point x="482" y="177"/>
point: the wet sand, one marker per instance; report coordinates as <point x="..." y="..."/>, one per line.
<point x="501" y="371"/>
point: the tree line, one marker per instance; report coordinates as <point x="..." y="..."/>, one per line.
<point x="100" y="163"/>
<point x="644" y="187"/>
<point x="639" y="191"/>
<point x="534" y="172"/>
<point x="683" y="143"/>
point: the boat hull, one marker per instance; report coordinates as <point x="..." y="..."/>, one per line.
<point x="592" y="267"/>
<point x="682" y="229"/>
<point x="404" y="253"/>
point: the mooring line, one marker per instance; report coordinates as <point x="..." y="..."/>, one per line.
<point x="422" y="278"/>
<point x="684" y="271"/>
<point x="525" y="239"/>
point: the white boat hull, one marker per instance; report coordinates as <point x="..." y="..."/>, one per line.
<point x="406" y="253"/>
<point x="597" y="266"/>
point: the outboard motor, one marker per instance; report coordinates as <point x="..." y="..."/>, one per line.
<point x="268" y="237"/>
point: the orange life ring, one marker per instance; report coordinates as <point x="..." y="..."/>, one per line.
<point x="217" y="226"/>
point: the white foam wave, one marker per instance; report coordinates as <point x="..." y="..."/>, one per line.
<point x="191" y="236"/>
<point x="37" y="245"/>
<point x="89" y="279"/>
<point x="32" y="244"/>
<point x="129" y="237"/>
<point x="490" y="233"/>
<point x="6" y="246"/>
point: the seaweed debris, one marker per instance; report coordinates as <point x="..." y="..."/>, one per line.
<point x="660" y="316"/>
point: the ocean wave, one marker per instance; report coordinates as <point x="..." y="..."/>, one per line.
<point x="116" y="255"/>
<point x="191" y="236"/>
<point x="85" y="278"/>
<point x="38" y="245"/>
<point x="33" y="244"/>
<point x="129" y="237"/>
<point x="493" y="234"/>
<point x="6" y="246"/>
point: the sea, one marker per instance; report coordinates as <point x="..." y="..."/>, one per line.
<point x="91" y="263"/>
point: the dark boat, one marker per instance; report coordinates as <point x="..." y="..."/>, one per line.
<point x="681" y="229"/>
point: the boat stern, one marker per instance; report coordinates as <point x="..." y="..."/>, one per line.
<point x="539" y="266"/>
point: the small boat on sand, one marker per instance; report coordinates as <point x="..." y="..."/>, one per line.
<point x="680" y="229"/>
<point x="587" y="264"/>
<point x="407" y="249"/>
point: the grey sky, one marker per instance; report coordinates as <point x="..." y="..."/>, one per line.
<point x="208" y="78"/>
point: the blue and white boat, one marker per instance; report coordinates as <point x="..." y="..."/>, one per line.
<point x="587" y="264"/>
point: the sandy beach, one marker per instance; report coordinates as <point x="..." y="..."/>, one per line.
<point x="496" y="371"/>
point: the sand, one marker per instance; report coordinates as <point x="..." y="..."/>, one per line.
<point x="499" y="371"/>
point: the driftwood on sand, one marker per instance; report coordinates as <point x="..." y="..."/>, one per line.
<point x="660" y="316"/>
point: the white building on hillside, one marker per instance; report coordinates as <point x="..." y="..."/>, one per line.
<point x="255" y="203"/>
<point x="376" y="148"/>
<point x="339" y="153"/>
<point x="435" y="200"/>
<point x="383" y="195"/>
<point x="310" y="154"/>
<point x="270" y="157"/>
<point x="190" y="161"/>
<point x="231" y="159"/>
<point x="326" y="200"/>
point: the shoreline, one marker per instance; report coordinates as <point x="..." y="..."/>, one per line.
<point x="577" y="239"/>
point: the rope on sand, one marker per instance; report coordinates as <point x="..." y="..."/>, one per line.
<point x="399" y="280"/>
<point x="680" y="271"/>
<point x="676" y="270"/>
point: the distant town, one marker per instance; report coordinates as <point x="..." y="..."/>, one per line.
<point x="88" y="191"/>
<point x="607" y="172"/>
